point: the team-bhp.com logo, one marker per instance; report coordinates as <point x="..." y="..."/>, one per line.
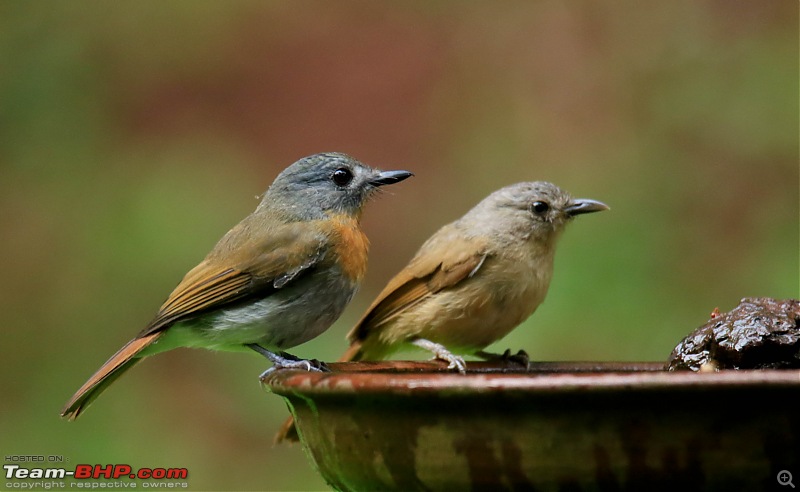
<point x="84" y="472"/>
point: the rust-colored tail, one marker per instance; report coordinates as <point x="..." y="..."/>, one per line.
<point x="120" y="362"/>
<point x="287" y="431"/>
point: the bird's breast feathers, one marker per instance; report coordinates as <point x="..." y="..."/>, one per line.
<point x="350" y="248"/>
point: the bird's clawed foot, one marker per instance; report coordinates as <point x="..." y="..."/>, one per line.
<point x="441" y="353"/>
<point x="521" y="357"/>
<point x="282" y="360"/>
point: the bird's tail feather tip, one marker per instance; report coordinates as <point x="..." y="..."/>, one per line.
<point x="118" y="364"/>
<point x="287" y="433"/>
<point x="352" y="354"/>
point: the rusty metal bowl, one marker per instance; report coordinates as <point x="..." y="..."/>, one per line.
<point x="554" y="426"/>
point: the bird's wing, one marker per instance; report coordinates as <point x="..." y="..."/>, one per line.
<point x="259" y="269"/>
<point x="443" y="262"/>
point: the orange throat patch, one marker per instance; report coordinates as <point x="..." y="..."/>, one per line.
<point x="352" y="248"/>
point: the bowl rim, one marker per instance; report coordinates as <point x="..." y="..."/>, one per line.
<point x="433" y="378"/>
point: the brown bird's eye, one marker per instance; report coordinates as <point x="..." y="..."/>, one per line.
<point x="540" y="208"/>
<point x="342" y="176"/>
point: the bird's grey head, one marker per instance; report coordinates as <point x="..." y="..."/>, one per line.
<point x="323" y="183"/>
<point x="535" y="209"/>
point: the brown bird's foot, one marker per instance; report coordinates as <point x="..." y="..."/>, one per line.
<point x="283" y="360"/>
<point x="521" y="357"/>
<point x="440" y="352"/>
<point x="316" y="365"/>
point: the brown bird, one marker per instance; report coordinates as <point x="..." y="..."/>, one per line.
<point x="279" y="278"/>
<point x="472" y="282"/>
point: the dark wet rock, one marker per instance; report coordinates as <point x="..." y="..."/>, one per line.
<point x="760" y="333"/>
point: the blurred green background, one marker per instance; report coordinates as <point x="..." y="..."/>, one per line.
<point x="134" y="134"/>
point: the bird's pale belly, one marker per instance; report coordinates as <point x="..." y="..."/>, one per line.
<point x="480" y="327"/>
<point x="477" y="314"/>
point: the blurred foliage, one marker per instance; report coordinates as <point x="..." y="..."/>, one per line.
<point x="132" y="135"/>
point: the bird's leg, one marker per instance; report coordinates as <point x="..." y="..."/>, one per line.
<point x="521" y="357"/>
<point x="282" y="360"/>
<point x="441" y="353"/>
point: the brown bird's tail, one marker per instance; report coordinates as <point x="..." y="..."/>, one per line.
<point x="120" y="362"/>
<point x="353" y="353"/>
<point x="287" y="431"/>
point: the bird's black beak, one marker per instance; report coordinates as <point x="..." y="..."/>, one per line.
<point x="389" y="177"/>
<point x="585" y="206"/>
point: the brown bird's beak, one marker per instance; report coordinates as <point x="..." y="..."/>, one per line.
<point x="585" y="206"/>
<point x="389" y="177"/>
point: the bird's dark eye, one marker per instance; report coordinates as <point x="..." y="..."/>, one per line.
<point x="540" y="208"/>
<point x="342" y="176"/>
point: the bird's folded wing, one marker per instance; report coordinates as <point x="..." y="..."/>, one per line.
<point x="437" y="266"/>
<point x="257" y="269"/>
